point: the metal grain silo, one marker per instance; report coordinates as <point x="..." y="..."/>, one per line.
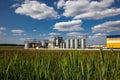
<point x="51" y="42"/>
<point x="26" y="45"/>
<point x="71" y="43"/>
<point x="58" y="40"/>
<point x="63" y="45"/>
<point x="76" y="43"/>
<point x="67" y="43"/>
<point x="83" y="43"/>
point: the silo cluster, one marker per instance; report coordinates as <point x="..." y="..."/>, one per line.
<point x="74" y="43"/>
<point x="57" y="42"/>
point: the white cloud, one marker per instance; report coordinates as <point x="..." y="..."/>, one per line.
<point x="74" y="7"/>
<point x="74" y="34"/>
<point x="2" y="28"/>
<point x="88" y="9"/>
<point x="110" y="26"/>
<point x="99" y="14"/>
<point x="98" y="38"/>
<point x="17" y="31"/>
<point x="54" y="34"/>
<point x="36" y="10"/>
<point x="101" y="34"/>
<point x="74" y="25"/>
<point x="60" y="4"/>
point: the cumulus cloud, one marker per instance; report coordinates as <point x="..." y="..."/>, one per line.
<point x="99" y="14"/>
<point x="88" y="9"/>
<point x="100" y="34"/>
<point x="60" y="4"/>
<point x="98" y="38"/>
<point x="74" y="34"/>
<point x="36" y="10"/>
<point x="2" y="28"/>
<point x="54" y="34"/>
<point x="74" y="25"/>
<point x="110" y="26"/>
<point x="17" y="31"/>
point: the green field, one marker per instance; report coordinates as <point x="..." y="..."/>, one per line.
<point x="19" y="64"/>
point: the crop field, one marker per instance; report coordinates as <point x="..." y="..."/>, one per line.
<point x="19" y="64"/>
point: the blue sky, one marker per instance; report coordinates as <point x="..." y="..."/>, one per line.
<point x="40" y="19"/>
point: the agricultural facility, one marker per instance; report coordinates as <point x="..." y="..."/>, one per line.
<point x="113" y="41"/>
<point x="57" y="42"/>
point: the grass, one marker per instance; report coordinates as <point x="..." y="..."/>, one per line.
<point x="20" y="64"/>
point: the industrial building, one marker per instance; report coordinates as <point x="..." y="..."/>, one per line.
<point x="54" y="42"/>
<point x="113" y="41"/>
<point x="57" y="42"/>
<point x="34" y="43"/>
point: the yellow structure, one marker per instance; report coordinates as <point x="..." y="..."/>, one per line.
<point x="33" y="45"/>
<point x="113" y="41"/>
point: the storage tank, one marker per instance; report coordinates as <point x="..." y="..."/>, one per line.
<point x="71" y="43"/>
<point x="76" y="43"/>
<point x="83" y="43"/>
<point x="26" y="46"/>
<point x="43" y="43"/>
<point x="51" y="42"/>
<point x="67" y="43"/>
<point x="63" y="45"/>
<point x="57" y="42"/>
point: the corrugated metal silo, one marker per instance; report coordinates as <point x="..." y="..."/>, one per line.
<point x="76" y="43"/>
<point x="71" y="43"/>
<point x="83" y="43"/>
<point x="67" y="43"/>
